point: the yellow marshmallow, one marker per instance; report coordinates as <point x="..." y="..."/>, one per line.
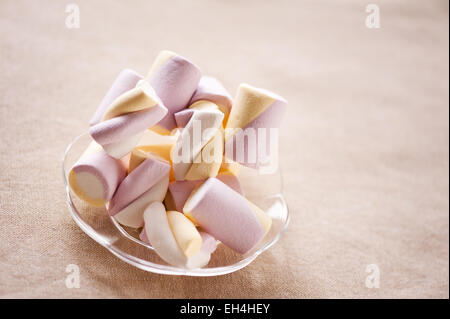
<point x="204" y="105"/>
<point x="249" y="103"/>
<point x="229" y="168"/>
<point x="160" y="130"/>
<point x="79" y="189"/>
<point x="185" y="233"/>
<point x="140" y="98"/>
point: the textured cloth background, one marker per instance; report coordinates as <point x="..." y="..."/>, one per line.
<point x="365" y="146"/>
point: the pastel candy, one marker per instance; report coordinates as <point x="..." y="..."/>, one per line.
<point x="126" y="80"/>
<point x="125" y="161"/>
<point x="150" y="137"/>
<point x="204" y="105"/>
<point x="198" y="260"/>
<point x="209" y="243"/>
<point x="175" y="80"/>
<point x="211" y="89"/>
<point x="253" y="108"/>
<point x="179" y="191"/>
<point x="93" y="147"/>
<point x="229" y="167"/>
<point x="143" y="237"/>
<point x="201" y="128"/>
<point x="95" y="177"/>
<point x="227" y="215"/>
<point x="122" y="148"/>
<point x="141" y="179"/>
<point x="183" y="117"/>
<point x="140" y="153"/>
<point x="133" y="214"/>
<point x="128" y="117"/>
<point x="185" y="233"/>
<point x="159" y="234"/>
<point x="207" y="163"/>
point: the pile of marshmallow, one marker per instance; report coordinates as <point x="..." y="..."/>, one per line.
<point x="184" y="207"/>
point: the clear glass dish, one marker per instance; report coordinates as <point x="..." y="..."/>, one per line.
<point x="263" y="190"/>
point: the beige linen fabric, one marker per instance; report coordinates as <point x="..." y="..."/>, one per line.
<point x="364" y="151"/>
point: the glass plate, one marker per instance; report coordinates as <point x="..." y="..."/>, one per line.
<point x="263" y="190"/>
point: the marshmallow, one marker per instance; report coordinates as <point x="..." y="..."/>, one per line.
<point x="140" y="153"/>
<point x="122" y="148"/>
<point x="207" y="163"/>
<point x="150" y="137"/>
<point x="204" y="105"/>
<point x="183" y="117"/>
<point x="202" y="126"/>
<point x="127" y="118"/>
<point x="175" y="80"/>
<point x="202" y="257"/>
<point x="185" y="233"/>
<point x="126" y="80"/>
<point x="140" y="180"/>
<point x="198" y="260"/>
<point x="93" y="147"/>
<point x="159" y="233"/>
<point x="210" y="89"/>
<point x="95" y="177"/>
<point x="227" y="215"/>
<point x="229" y="167"/>
<point x="133" y="214"/>
<point x="143" y="237"/>
<point x="179" y="191"/>
<point x="209" y="243"/>
<point x="253" y="108"/>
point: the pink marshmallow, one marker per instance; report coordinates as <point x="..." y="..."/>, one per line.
<point x="181" y="190"/>
<point x="175" y="82"/>
<point x="209" y="243"/>
<point x="211" y="89"/>
<point x="107" y="169"/>
<point x="251" y="154"/>
<point x="183" y="117"/>
<point x="226" y="215"/>
<point x="121" y="127"/>
<point x="141" y="179"/>
<point x="125" y="81"/>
